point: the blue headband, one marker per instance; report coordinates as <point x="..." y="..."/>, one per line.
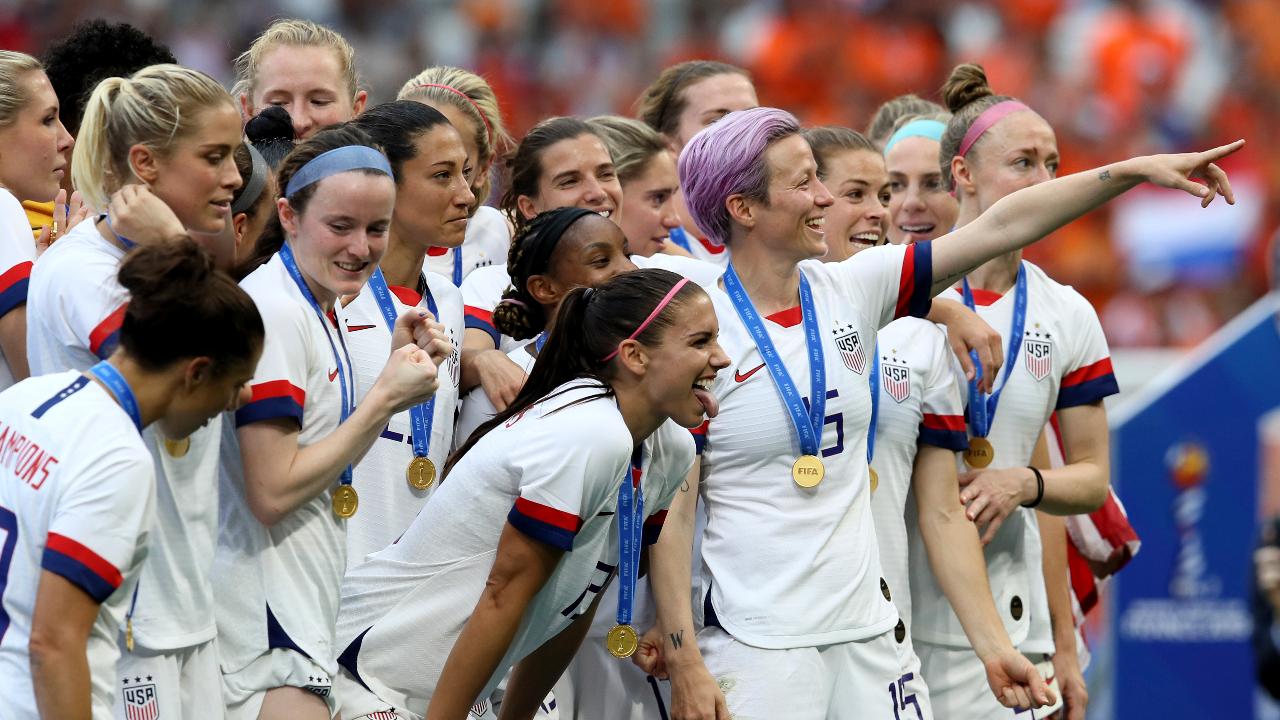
<point x="338" y="160"/>
<point x="931" y="129"/>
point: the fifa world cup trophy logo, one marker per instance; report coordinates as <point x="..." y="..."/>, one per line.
<point x="1188" y="465"/>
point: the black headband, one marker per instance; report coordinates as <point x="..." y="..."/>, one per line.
<point x="537" y="257"/>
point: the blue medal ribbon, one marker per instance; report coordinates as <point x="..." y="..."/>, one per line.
<point x="681" y="238"/>
<point x="630" y="530"/>
<point x="808" y="424"/>
<point x="982" y="409"/>
<point x="457" y="268"/>
<point x="119" y="389"/>
<point x="874" y="381"/>
<point x="422" y="416"/>
<point x="348" y="395"/>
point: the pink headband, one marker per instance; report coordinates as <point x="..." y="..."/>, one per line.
<point x="488" y="131"/>
<point x="986" y="119"/>
<point x="666" y="299"/>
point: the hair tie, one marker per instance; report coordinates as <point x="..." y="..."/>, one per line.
<point x="257" y="181"/>
<point x="666" y="299"/>
<point x="986" y="119"/>
<point x="488" y="131"/>
<point x="513" y="301"/>
<point x="931" y="129"/>
<point x="338" y="160"/>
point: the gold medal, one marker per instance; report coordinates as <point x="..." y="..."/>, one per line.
<point x="345" y="501"/>
<point x="808" y="471"/>
<point x="622" y="641"/>
<point x="420" y="473"/>
<point x="875" y="479"/>
<point x="177" y="448"/>
<point x="980" y="453"/>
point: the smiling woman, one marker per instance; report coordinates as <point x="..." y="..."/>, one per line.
<point x="561" y="163"/>
<point x="304" y="67"/>
<point x="281" y="550"/>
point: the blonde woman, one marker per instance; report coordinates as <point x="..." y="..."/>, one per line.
<point x="304" y="67"/>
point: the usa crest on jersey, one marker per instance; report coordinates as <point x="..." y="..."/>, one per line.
<point x="851" y="351"/>
<point x="140" y="701"/>
<point x="896" y="380"/>
<point x="1039" y="354"/>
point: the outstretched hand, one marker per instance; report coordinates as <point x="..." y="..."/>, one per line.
<point x="1178" y="171"/>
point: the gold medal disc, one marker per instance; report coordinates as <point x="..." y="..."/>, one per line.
<point x="980" y="453"/>
<point x="875" y="479"/>
<point x="420" y="473"/>
<point x="345" y="501"/>
<point x="622" y="641"/>
<point x="177" y="448"/>
<point x="808" y="471"/>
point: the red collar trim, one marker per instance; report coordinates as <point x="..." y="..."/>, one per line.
<point x="437" y="251"/>
<point x="710" y="246"/>
<point x="407" y="296"/>
<point x="790" y="317"/>
<point x="980" y="296"/>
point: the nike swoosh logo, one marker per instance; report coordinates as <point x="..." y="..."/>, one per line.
<point x="740" y="377"/>
<point x="333" y="374"/>
<point x="353" y="328"/>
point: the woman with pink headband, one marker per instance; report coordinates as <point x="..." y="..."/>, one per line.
<point x="798" y="619"/>
<point x="1057" y="361"/>
<point x="504" y="567"/>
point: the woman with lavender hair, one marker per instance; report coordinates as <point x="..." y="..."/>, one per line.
<point x="799" y="621"/>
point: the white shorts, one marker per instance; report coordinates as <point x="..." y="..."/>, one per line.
<point x="244" y="689"/>
<point x="958" y="684"/>
<point x="357" y="703"/>
<point x="184" y="683"/>
<point x="599" y="685"/>
<point x="874" y="678"/>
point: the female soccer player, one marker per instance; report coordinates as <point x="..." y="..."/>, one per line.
<point x="920" y="208"/>
<point x="286" y="485"/>
<point x="78" y="490"/>
<point x="483" y="580"/>
<point x="397" y="475"/>
<point x="556" y="252"/>
<point x="304" y="67"/>
<point x="646" y="169"/>
<point x="917" y="418"/>
<point x="560" y="163"/>
<point x="799" y="619"/>
<point x="1057" y="361"/>
<point x="472" y="107"/>
<point x="682" y="100"/>
<point x="31" y="168"/>
<point x="159" y="142"/>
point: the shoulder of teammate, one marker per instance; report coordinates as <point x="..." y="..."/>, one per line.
<point x="701" y="272"/>
<point x="559" y="490"/>
<point x="674" y="451"/>
<point x="279" y="384"/>
<point x="448" y="299"/>
<point x="1087" y="373"/>
<point x="481" y="291"/>
<point x="942" y="399"/>
<point x="17" y="253"/>
<point x="74" y="295"/>
<point x="489" y="229"/>
<point x="883" y="283"/>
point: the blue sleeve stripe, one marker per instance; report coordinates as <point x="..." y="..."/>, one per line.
<point x="269" y="409"/>
<point x="946" y="439"/>
<point x="13" y="296"/>
<point x="94" y="585"/>
<point x="478" y="324"/>
<point x="556" y="537"/>
<point x="921" y="293"/>
<point x="1088" y="392"/>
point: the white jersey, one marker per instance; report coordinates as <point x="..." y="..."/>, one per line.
<point x="1062" y="362"/>
<point x="76" y="500"/>
<point x="481" y="293"/>
<point x="920" y="404"/>
<point x="703" y="273"/>
<point x="784" y="566"/>
<point x="403" y="609"/>
<point x="74" y="315"/>
<point x="701" y="248"/>
<point x="387" y="502"/>
<point x="17" y="253"/>
<point x="486" y="242"/>
<point x="476" y="408"/>
<point x="277" y="587"/>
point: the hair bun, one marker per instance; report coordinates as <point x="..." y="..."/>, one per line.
<point x="165" y="271"/>
<point x="966" y="84"/>
<point x="273" y="124"/>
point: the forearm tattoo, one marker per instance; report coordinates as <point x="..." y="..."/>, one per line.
<point x="1104" y="176"/>
<point x="677" y="639"/>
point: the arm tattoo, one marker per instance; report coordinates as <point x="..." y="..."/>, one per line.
<point x="677" y="639"/>
<point x="1105" y="175"/>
